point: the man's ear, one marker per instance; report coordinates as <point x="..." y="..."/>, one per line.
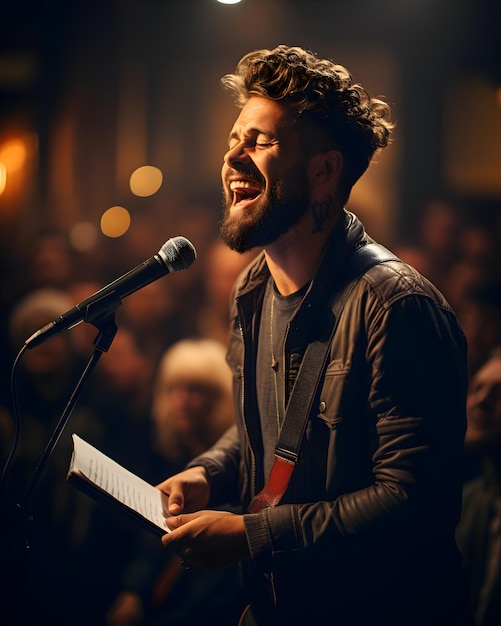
<point x="325" y="167"/>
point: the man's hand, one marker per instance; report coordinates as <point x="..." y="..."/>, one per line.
<point x="207" y="539"/>
<point x="187" y="491"/>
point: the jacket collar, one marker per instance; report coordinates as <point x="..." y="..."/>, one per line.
<point x="348" y="234"/>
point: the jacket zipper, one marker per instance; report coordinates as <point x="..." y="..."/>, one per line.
<point x="244" y="419"/>
<point x="253" y="456"/>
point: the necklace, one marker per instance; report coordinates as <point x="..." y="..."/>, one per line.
<point x="274" y="362"/>
<point x="282" y="310"/>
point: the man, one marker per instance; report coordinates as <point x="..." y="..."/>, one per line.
<point x="479" y="531"/>
<point x="365" y="530"/>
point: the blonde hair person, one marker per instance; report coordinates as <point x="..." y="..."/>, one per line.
<point x="192" y="404"/>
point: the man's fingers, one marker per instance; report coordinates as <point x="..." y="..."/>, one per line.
<point x="175" y="521"/>
<point x="176" y="503"/>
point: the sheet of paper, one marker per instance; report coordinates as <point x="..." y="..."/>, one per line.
<point x="120" y="483"/>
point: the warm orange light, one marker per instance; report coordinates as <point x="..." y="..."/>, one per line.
<point x="3" y="177"/>
<point x="13" y="153"/>
<point x="115" y="221"/>
<point x="498" y="96"/>
<point x="146" y="180"/>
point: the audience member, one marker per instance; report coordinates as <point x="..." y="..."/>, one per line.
<point x="434" y="250"/>
<point x="221" y="268"/>
<point x="196" y="222"/>
<point x="154" y="315"/>
<point x="125" y="375"/>
<point x="479" y="532"/>
<point x="474" y="266"/>
<point x="43" y="259"/>
<point x="64" y="528"/>
<point x="192" y="406"/>
<point x="85" y="334"/>
<point x="51" y="262"/>
<point x="480" y="318"/>
<point x="459" y="255"/>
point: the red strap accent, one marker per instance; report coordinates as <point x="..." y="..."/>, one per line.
<point x="274" y="490"/>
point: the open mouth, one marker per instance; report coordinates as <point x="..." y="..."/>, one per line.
<point x="244" y="190"/>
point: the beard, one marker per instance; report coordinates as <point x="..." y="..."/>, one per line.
<point x="276" y="212"/>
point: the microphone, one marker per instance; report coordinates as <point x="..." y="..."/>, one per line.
<point x="176" y="254"/>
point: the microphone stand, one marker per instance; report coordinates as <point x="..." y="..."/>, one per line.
<point x="15" y="552"/>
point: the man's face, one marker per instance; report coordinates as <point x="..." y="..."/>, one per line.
<point x="264" y="175"/>
<point x="484" y="407"/>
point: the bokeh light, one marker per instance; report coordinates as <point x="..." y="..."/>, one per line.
<point x="3" y="177"/>
<point x="146" y="180"/>
<point x="13" y="154"/>
<point x="83" y="236"/>
<point x="115" y="221"/>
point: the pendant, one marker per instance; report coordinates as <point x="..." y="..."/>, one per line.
<point x="274" y="364"/>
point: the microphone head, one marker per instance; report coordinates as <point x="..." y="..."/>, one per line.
<point x="178" y="253"/>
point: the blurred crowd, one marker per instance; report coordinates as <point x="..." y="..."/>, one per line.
<point x="159" y="395"/>
<point x="162" y="393"/>
<point x="460" y="252"/>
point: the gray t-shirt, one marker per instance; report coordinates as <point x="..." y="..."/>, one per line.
<point x="274" y="367"/>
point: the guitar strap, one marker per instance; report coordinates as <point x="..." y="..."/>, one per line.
<point x="308" y="380"/>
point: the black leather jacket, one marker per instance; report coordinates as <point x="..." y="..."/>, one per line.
<point x="366" y="528"/>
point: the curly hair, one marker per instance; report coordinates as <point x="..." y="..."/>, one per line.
<point x="332" y="111"/>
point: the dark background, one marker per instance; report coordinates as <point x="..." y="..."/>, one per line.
<point x="104" y="87"/>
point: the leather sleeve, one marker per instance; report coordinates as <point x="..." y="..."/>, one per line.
<point x="415" y="422"/>
<point x="221" y="462"/>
